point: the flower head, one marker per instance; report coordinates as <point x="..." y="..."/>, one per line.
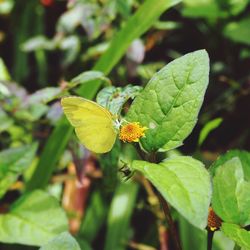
<point x="214" y="222"/>
<point x="131" y="132"/>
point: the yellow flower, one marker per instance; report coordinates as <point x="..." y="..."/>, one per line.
<point x="132" y="132"/>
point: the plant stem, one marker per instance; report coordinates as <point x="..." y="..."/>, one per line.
<point x="210" y="235"/>
<point x="170" y="222"/>
<point x="152" y="158"/>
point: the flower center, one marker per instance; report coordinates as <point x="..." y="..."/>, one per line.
<point x="132" y="132"/>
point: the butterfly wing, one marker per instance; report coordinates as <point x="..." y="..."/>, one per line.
<point x="93" y="123"/>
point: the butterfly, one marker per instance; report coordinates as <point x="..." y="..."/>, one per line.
<point x="94" y="125"/>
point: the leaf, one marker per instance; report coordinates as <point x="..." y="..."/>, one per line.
<point x="43" y="96"/>
<point x="34" y="219"/>
<point x="6" y="121"/>
<point x="231" y="200"/>
<point x="237" y="6"/>
<point x="202" y="9"/>
<point x="13" y="162"/>
<point x="119" y="216"/>
<point x="244" y="157"/>
<point x="184" y="183"/>
<point x="170" y="102"/>
<point x="210" y="126"/>
<point x="63" y="241"/>
<point x="71" y="46"/>
<point x="38" y="43"/>
<point x="239" y="31"/>
<point x="237" y="234"/>
<point x="88" y="76"/>
<point x="134" y="28"/>
<point x="4" y="73"/>
<point x="113" y="98"/>
<point x="94" y="218"/>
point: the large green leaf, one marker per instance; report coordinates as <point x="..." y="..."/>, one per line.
<point x="244" y="157"/>
<point x="63" y="241"/>
<point x="137" y="24"/>
<point x="184" y="183"/>
<point x="119" y="216"/>
<point x="231" y="193"/>
<point x="13" y="162"/>
<point x="170" y="102"/>
<point x="237" y="234"/>
<point x="34" y="219"/>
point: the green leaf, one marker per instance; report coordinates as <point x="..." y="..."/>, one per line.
<point x="13" y="162"/>
<point x="94" y="218"/>
<point x="34" y="219"/>
<point x="113" y="98"/>
<point x="6" y="121"/>
<point x="202" y="9"/>
<point x="63" y="241"/>
<point x="44" y="95"/>
<point x="237" y="6"/>
<point x="210" y="126"/>
<point x="231" y="193"/>
<point x="238" y="31"/>
<point x="38" y="43"/>
<point x="119" y="216"/>
<point x="184" y="183"/>
<point x="237" y="234"/>
<point x="244" y="157"/>
<point x="4" y="73"/>
<point x="170" y="102"/>
<point x="87" y="77"/>
<point x="137" y="24"/>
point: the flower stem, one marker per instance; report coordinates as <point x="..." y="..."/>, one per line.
<point x="210" y="235"/>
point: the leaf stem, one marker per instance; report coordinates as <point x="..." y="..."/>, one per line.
<point x="170" y="222"/>
<point x="173" y="233"/>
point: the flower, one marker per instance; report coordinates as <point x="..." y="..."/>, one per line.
<point x="214" y="222"/>
<point x="131" y="132"/>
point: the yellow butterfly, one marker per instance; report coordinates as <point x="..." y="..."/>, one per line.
<point x="94" y="125"/>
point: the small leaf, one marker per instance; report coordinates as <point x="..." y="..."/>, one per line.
<point x="43" y="96"/>
<point x="38" y="43"/>
<point x="202" y="9"/>
<point x="34" y="219"/>
<point x="88" y="76"/>
<point x="6" y="121"/>
<point x="63" y="241"/>
<point x="170" y="102"/>
<point x="238" y="31"/>
<point x="184" y="183"/>
<point x="244" y="157"/>
<point x="237" y="234"/>
<point x="210" y="126"/>
<point x="13" y="162"/>
<point x="4" y="73"/>
<point x="231" y="193"/>
<point x="113" y="98"/>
